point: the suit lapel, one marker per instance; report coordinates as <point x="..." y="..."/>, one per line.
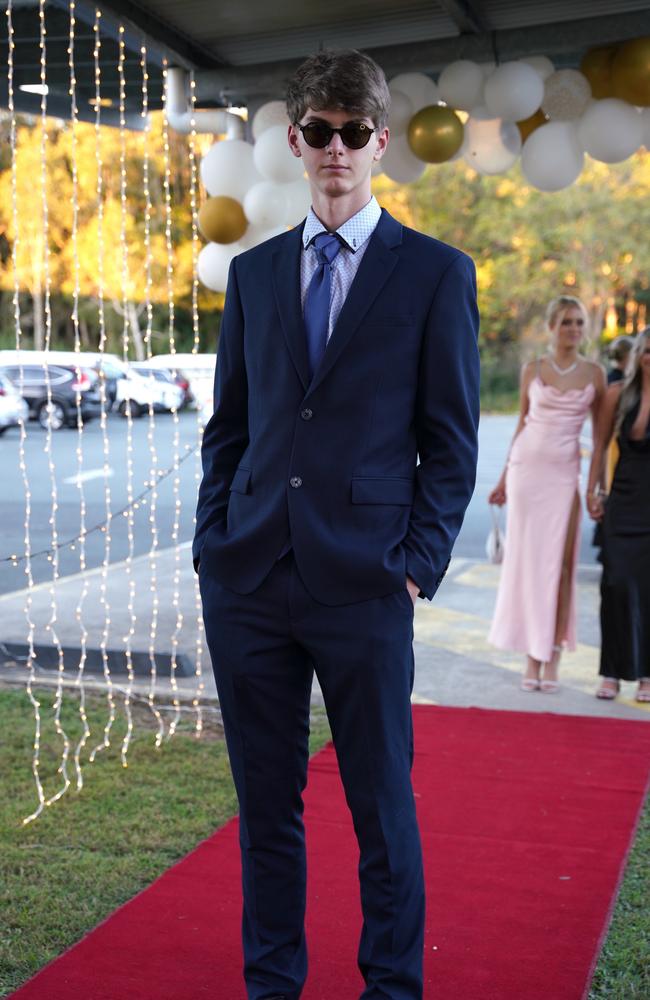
<point x="374" y="271"/>
<point x="286" y="287"/>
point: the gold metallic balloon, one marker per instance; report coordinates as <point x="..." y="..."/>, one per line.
<point x="435" y="133"/>
<point x="596" y="65"/>
<point x="631" y="72"/>
<point x="528" y="125"/>
<point x="222" y="219"/>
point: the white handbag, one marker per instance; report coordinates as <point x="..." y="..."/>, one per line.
<point x="496" y="540"/>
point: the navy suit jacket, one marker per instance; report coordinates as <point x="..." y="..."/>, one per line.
<point x="332" y="462"/>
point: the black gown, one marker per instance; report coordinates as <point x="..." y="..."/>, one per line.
<point x="625" y="585"/>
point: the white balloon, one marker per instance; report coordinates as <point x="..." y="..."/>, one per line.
<point x="228" y="168"/>
<point x="269" y="114"/>
<point x="514" y="91"/>
<point x="487" y="69"/>
<point x="400" y="164"/>
<point x="491" y="145"/>
<point x="400" y="114"/>
<point x="418" y="87"/>
<point x="611" y="130"/>
<point x="461" y="84"/>
<point x="542" y="64"/>
<point x="213" y="263"/>
<point x="567" y="94"/>
<point x="645" y="118"/>
<point x="255" y="235"/>
<point x="273" y="158"/>
<point x="551" y="158"/>
<point x="299" y="201"/>
<point x="266" y="204"/>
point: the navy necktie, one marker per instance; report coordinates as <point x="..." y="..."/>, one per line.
<point x="317" y="300"/>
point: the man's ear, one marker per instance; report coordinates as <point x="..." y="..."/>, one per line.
<point x="382" y="143"/>
<point x="292" y="137"/>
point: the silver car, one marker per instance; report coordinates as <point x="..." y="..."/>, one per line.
<point x="13" y="407"/>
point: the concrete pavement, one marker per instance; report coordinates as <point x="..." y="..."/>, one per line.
<point x="455" y="665"/>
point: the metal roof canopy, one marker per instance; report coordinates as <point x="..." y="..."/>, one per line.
<point x="244" y="52"/>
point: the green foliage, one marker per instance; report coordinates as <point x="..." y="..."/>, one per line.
<point x="91" y="851"/>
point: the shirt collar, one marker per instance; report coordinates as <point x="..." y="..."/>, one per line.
<point x="354" y="232"/>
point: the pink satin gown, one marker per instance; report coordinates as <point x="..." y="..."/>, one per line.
<point x="541" y="483"/>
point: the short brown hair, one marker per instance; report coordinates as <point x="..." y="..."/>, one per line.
<point x="344" y="80"/>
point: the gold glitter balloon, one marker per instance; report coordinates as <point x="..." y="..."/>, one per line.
<point x="435" y="133"/>
<point x="631" y="72"/>
<point x="222" y="220"/>
<point x="596" y="65"/>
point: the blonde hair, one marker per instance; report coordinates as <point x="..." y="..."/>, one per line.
<point x="558" y="306"/>
<point x="631" y="391"/>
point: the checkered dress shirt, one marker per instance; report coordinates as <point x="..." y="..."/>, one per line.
<point x="356" y="232"/>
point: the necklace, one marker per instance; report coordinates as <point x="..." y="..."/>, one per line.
<point x="562" y="371"/>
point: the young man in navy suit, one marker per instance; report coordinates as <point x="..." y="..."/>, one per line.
<point x="348" y="352"/>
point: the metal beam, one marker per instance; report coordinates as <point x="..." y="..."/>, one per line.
<point x="567" y="40"/>
<point x="466" y="15"/>
<point x="140" y="25"/>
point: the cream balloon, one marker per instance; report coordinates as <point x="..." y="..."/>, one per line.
<point x="542" y="64"/>
<point x="418" y="87"/>
<point x="514" y="91"/>
<point x="491" y="145"/>
<point x="461" y="84"/>
<point x="269" y="114"/>
<point x="399" y="163"/>
<point x="645" y="119"/>
<point x="214" y="262"/>
<point x="273" y="158"/>
<point x="298" y="195"/>
<point x="266" y="204"/>
<point x="400" y="114"/>
<point x="228" y="169"/>
<point x="610" y="130"/>
<point x="551" y="158"/>
<point x="259" y="234"/>
<point x="566" y="95"/>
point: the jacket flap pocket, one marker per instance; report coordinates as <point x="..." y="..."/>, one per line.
<point x="376" y="489"/>
<point x="241" y="481"/>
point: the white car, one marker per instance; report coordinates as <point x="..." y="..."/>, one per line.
<point x="13" y="408"/>
<point x="198" y="369"/>
<point x="161" y="382"/>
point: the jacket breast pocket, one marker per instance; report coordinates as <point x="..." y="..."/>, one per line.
<point x="241" y="481"/>
<point x="396" y="490"/>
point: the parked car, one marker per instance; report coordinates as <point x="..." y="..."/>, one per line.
<point x="164" y="382"/>
<point x="66" y="384"/>
<point x="198" y="370"/>
<point x="13" y="408"/>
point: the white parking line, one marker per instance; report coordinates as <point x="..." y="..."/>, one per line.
<point x="77" y="479"/>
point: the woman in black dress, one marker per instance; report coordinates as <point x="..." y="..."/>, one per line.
<point x="625" y="517"/>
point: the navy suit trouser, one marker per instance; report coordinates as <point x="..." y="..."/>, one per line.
<point x="265" y="647"/>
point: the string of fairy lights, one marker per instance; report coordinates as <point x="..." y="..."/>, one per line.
<point x="83" y="631"/>
<point x="135" y="237"/>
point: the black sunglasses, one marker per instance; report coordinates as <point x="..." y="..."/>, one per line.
<point x="354" y="135"/>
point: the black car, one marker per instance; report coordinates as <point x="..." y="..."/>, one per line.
<point x="65" y="382"/>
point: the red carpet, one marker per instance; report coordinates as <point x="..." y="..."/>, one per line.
<point x="526" y="821"/>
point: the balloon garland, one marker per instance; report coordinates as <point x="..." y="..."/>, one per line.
<point x="488" y="115"/>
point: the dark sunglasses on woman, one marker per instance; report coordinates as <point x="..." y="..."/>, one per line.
<point x="354" y="135"/>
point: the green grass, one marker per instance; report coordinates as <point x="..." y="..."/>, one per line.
<point x="90" y="852"/>
<point x="623" y="971"/>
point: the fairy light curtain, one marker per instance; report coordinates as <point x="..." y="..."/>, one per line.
<point x="142" y="239"/>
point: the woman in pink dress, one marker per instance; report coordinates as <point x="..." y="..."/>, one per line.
<point x="535" y="611"/>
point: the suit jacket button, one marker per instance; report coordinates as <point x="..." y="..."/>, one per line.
<point x="306" y="414"/>
<point x="296" y="482"/>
